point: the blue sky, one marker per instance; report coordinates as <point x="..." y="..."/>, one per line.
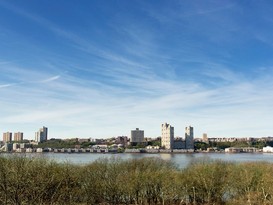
<point x="101" y="68"/>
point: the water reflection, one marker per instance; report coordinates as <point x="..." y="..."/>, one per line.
<point x="166" y="156"/>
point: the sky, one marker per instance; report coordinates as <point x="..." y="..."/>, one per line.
<point x="102" y="68"/>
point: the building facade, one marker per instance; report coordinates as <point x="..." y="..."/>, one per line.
<point x="189" y="141"/>
<point x="18" y="136"/>
<point x="179" y="143"/>
<point x="122" y="140"/>
<point x="8" y="147"/>
<point x="7" y="137"/>
<point x="137" y="136"/>
<point x="205" y="138"/>
<point x="268" y="149"/>
<point x="167" y="136"/>
<point x="41" y="135"/>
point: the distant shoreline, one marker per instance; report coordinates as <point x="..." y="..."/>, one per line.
<point x="140" y="153"/>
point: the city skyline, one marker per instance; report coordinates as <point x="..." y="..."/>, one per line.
<point x="136" y="135"/>
<point x="100" y="69"/>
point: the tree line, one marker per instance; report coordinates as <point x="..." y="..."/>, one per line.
<point x="223" y="145"/>
<point x="147" y="181"/>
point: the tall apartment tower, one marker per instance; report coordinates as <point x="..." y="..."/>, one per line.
<point x="167" y="136"/>
<point x="7" y="137"/>
<point x="18" y="136"/>
<point x="205" y="138"/>
<point x="41" y="135"/>
<point x="189" y="138"/>
<point x="137" y="136"/>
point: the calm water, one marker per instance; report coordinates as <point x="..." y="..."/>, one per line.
<point x="182" y="160"/>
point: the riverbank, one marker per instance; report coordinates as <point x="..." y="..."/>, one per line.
<point x="139" y="150"/>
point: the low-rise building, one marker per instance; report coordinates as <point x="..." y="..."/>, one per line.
<point x="152" y="147"/>
<point x="39" y="150"/>
<point x="8" y="147"/>
<point x="29" y="150"/>
<point x="267" y="149"/>
<point x="15" y="146"/>
<point x="242" y="149"/>
<point x="83" y="140"/>
<point x="101" y="146"/>
<point x="122" y="140"/>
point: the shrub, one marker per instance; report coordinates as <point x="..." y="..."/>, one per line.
<point x="145" y="181"/>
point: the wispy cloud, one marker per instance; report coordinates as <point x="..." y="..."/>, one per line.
<point x="140" y="79"/>
<point x="51" y="79"/>
<point x="6" y="85"/>
<point x="177" y="102"/>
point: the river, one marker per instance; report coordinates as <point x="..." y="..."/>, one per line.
<point x="181" y="160"/>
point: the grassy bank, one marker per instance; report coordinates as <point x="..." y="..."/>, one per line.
<point x="144" y="181"/>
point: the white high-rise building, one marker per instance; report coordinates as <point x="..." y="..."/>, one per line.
<point x="167" y="136"/>
<point x="189" y="138"/>
<point x="41" y="135"/>
<point x="137" y="136"/>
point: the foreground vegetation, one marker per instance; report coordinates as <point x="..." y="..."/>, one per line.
<point x="145" y="181"/>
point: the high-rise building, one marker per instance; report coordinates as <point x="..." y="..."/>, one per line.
<point x="18" y="136"/>
<point x="205" y="138"/>
<point x="167" y="136"/>
<point x="137" y="136"/>
<point x="189" y="137"/>
<point x="41" y="135"/>
<point x="7" y="137"/>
